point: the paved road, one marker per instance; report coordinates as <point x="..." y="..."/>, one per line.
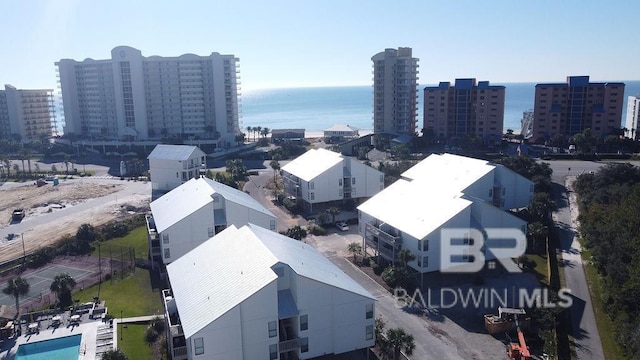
<point x="584" y="327"/>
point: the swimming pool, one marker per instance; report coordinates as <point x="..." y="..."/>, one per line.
<point x="64" y="348"/>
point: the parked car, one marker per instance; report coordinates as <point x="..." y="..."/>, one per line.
<point x="342" y="226"/>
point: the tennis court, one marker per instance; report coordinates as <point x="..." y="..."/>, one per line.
<point x="40" y="281"/>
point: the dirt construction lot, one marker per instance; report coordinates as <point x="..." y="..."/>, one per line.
<point x="55" y="211"/>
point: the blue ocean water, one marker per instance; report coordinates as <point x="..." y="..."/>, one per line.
<point x="322" y="107"/>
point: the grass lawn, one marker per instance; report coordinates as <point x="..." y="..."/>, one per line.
<point x="612" y="350"/>
<point x="137" y="239"/>
<point x="540" y="268"/>
<point x="133" y="343"/>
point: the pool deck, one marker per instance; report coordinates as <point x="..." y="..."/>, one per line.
<point x="89" y="329"/>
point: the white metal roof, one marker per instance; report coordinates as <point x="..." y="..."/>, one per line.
<point x="225" y="270"/>
<point x="342" y="127"/>
<point x="429" y="194"/>
<point x="175" y="152"/>
<point x="312" y="163"/>
<point x="193" y="195"/>
<point x="418" y="211"/>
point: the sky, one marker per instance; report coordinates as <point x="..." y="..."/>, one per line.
<point x="302" y="43"/>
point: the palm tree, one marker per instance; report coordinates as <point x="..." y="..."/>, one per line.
<point x="7" y="165"/>
<point x="265" y="132"/>
<point x="399" y="340"/>
<point x="17" y="287"/>
<point x="62" y="285"/>
<point x="333" y="211"/>
<point x="257" y="129"/>
<point x="249" y="130"/>
<point x="275" y="165"/>
<point x="537" y="232"/>
<point x="355" y="249"/>
<point x="67" y="158"/>
<point x="116" y="354"/>
<point x="404" y="256"/>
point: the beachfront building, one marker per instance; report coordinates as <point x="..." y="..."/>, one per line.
<point x="279" y="136"/>
<point x="132" y="97"/>
<point x="321" y="178"/>
<point x="441" y="192"/>
<point x="172" y="165"/>
<point x="633" y="112"/>
<point x="339" y="133"/>
<point x="195" y="211"/>
<point x="26" y="115"/>
<point x="571" y="107"/>
<point x="395" y="88"/>
<point x="250" y="293"/>
<point x="465" y="109"/>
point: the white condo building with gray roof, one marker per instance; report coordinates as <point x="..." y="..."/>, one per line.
<point x="441" y="192"/>
<point x="195" y="211"/>
<point x="172" y="165"/>
<point x="250" y="293"/>
<point x="322" y="176"/>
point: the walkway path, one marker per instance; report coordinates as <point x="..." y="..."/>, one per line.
<point x="585" y="329"/>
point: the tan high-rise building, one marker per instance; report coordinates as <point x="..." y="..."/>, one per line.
<point x="26" y="114"/>
<point x="395" y="87"/>
<point x="466" y="108"/>
<point x="570" y="108"/>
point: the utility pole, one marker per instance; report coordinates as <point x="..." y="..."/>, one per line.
<point x="24" y="252"/>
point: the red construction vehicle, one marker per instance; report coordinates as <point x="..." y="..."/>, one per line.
<point x="519" y="350"/>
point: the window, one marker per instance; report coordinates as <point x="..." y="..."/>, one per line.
<point x="369" y="310"/>
<point x="273" y="329"/>
<point x="304" y="345"/>
<point x="167" y="253"/>
<point x="353" y="181"/>
<point x="339" y="182"/>
<point x="273" y="351"/>
<point x="184" y="176"/>
<point x="304" y="322"/>
<point x="165" y="238"/>
<point x="504" y="190"/>
<point x="340" y="192"/>
<point x="177" y="174"/>
<point x="198" y="345"/>
<point x="369" y="331"/>
<point x="210" y="231"/>
<point x="490" y="192"/>
<point x="311" y="185"/>
<point x="312" y="196"/>
<point x="425" y="262"/>
<point x="272" y="225"/>
<point x="423" y="245"/>
<point x="381" y="178"/>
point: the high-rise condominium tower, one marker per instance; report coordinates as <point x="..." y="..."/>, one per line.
<point x="131" y="97"/>
<point x="395" y="101"/>
<point x="570" y="108"/>
<point x="464" y="109"/>
<point x="26" y="114"/>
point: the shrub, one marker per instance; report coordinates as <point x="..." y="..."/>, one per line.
<point x="41" y="257"/>
<point x="150" y="335"/>
<point x="394" y="276"/>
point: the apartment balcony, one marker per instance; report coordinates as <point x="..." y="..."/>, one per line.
<point x="377" y="236"/>
<point x="290" y="345"/>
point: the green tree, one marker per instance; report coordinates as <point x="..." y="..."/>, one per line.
<point x="541" y="207"/>
<point x="116" y="354"/>
<point x="258" y="130"/>
<point x="403" y="257"/>
<point x="333" y="211"/>
<point x="239" y="139"/>
<point x="295" y="232"/>
<point x="399" y="340"/>
<point x="62" y="285"/>
<point x="355" y="249"/>
<point x="86" y="232"/>
<point x="275" y="165"/>
<point x="537" y="233"/>
<point x="584" y="141"/>
<point x="16" y="287"/>
<point x="264" y="132"/>
<point x="249" y="130"/>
